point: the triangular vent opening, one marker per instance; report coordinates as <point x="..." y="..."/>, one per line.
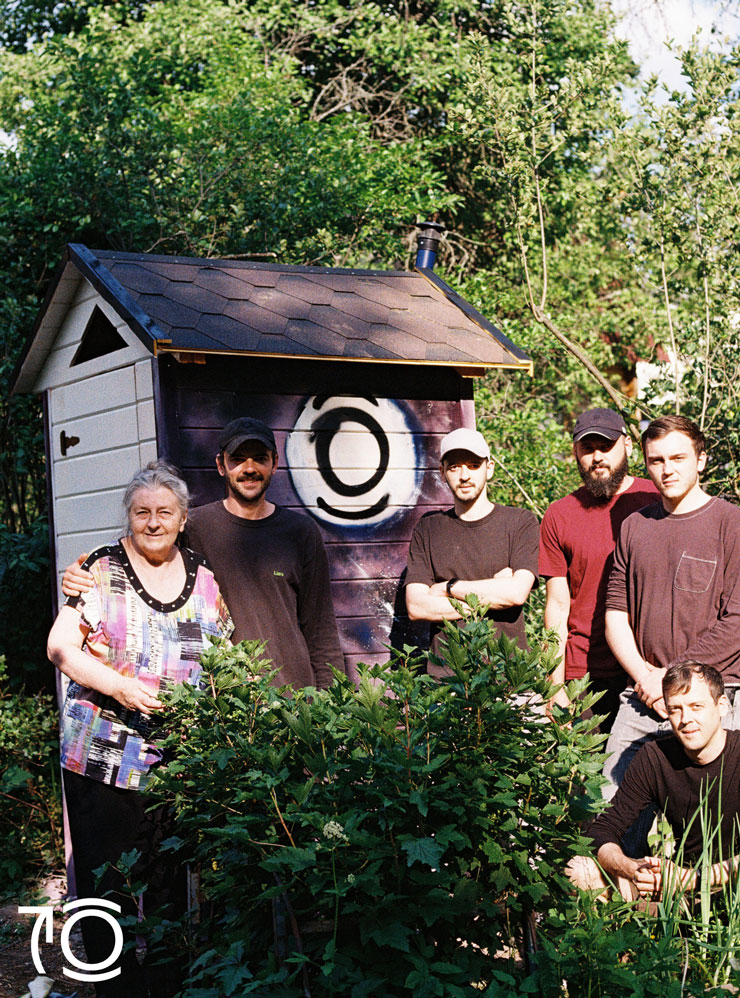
<point x="100" y="337"/>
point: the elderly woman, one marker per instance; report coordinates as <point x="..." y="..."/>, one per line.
<point x="141" y="628"/>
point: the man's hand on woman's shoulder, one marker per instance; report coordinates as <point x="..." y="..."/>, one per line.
<point x="76" y="580"/>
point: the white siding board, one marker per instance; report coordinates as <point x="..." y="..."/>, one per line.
<point x="147" y="452"/>
<point x="72" y="323"/>
<point x="72" y="326"/>
<point x="85" y="292"/>
<point x="146" y="422"/>
<point x="101" y="394"/>
<point x="95" y="511"/>
<point x="101" y="432"/>
<point x="107" y="402"/>
<point x="113" y="415"/>
<point x="96" y="472"/>
<point x="71" y="546"/>
<point x="57" y="370"/>
<point x="144" y="380"/>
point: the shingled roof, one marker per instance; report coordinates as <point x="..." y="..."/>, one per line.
<point x="184" y="305"/>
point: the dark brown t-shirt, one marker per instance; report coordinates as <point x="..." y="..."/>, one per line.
<point x="678" y="577"/>
<point x="274" y="575"/>
<point x="445" y="547"/>
<point x="663" y="775"/>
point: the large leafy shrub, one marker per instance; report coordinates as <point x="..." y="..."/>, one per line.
<point x="396" y="834"/>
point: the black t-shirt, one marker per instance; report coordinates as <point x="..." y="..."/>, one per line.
<point x="445" y="547"/>
<point x="274" y="575"/>
<point x="663" y="775"/>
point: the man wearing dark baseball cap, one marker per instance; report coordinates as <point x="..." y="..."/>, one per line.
<point x="269" y="561"/>
<point x="577" y="539"/>
<point x="603" y="423"/>
<point x="239" y="431"/>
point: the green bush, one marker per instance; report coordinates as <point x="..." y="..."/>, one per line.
<point x="24" y="606"/>
<point x="30" y="794"/>
<point x="402" y="829"/>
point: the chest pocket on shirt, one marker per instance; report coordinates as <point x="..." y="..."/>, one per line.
<point x="694" y="575"/>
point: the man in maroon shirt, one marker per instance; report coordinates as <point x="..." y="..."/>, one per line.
<point x="698" y="767"/>
<point x="577" y="539"/>
<point x="673" y="593"/>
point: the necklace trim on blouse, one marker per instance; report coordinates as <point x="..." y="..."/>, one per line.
<point x="191" y="571"/>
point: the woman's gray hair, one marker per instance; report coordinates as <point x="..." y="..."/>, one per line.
<point x="157" y="474"/>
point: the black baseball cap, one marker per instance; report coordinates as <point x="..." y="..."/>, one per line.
<point x="245" y="428"/>
<point x="599" y="423"/>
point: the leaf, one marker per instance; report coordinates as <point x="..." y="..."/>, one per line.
<point x="415" y="797"/>
<point x="395" y="934"/>
<point x="15" y="777"/>
<point x="426" y="851"/>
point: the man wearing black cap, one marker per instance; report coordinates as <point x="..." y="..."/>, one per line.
<point x="577" y="539"/>
<point x="270" y="562"/>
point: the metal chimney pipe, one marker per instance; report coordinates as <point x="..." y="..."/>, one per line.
<point x="428" y="242"/>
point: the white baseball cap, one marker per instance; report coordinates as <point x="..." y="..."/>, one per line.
<point x="465" y="439"/>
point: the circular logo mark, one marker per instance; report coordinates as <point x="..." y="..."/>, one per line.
<point x="353" y="460"/>
<point x="92" y="969"/>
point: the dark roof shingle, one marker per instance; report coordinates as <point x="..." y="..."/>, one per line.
<point x="234" y="305"/>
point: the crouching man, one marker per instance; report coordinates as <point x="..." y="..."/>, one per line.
<point x="699" y="762"/>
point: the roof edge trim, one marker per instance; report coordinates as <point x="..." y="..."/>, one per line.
<point x="228" y="262"/>
<point x="474" y="315"/>
<point x="457" y="365"/>
<point x="115" y="295"/>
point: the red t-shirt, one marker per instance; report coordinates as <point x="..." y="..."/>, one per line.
<point x="577" y="540"/>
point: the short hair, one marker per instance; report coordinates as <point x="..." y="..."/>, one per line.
<point x="664" y="425"/>
<point x="678" y="679"/>
<point x="155" y="475"/>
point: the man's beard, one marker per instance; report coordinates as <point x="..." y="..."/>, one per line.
<point x="250" y="500"/>
<point x="604" y="488"/>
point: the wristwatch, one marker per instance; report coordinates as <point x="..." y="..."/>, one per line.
<point x="450" y="584"/>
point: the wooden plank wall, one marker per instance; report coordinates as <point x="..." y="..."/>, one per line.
<point x="367" y="553"/>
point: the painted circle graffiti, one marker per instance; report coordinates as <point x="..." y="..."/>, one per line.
<point x="353" y="460"/>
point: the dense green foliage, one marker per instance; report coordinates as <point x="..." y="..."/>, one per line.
<point x="313" y="133"/>
<point x="398" y="839"/>
<point x="30" y="794"/>
<point x="25" y="608"/>
<point x="404" y="828"/>
<point x="630" y="257"/>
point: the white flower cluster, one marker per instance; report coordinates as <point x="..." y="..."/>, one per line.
<point x="334" y="832"/>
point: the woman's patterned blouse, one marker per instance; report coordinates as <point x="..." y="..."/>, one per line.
<point x="137" y="635"/>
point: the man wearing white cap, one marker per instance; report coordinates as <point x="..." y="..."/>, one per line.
<point x="477" y="547"/>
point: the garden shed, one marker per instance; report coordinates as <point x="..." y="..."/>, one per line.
<point x="359" y="372"/>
